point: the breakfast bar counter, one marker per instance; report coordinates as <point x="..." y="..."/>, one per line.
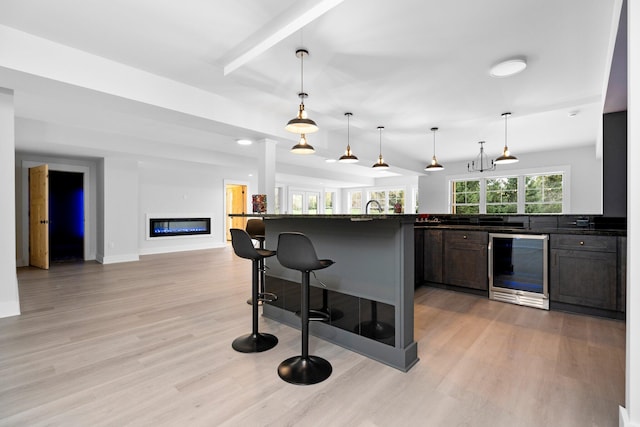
<point x="369" y="290"/>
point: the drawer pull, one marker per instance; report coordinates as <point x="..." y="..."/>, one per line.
<point x="464" y="237"/>
<point x="581" y="243"/>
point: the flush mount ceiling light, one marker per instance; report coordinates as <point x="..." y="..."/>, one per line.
<point x="482" y="162"/>
<point x="301" y="123"/>
<point x="348" y="156"/>
<point x="508" y="67"/>
<point x="506" y="157"/>
<point x="303" y="147"/>
<point x="380" y="164"/>
<point x="434" y="166"/>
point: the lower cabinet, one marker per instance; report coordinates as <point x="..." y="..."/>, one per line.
<point x="432" y="256"/>
<point x="465" y="259"/>
<point x="584" y="271"/>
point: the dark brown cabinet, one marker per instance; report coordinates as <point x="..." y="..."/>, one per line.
<point x="432" y="256"/>
<point x="584" y="271"/>
<point x="465" y="259"/>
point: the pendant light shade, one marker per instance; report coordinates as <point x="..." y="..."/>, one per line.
<point x="380" y="164"/>
<point x="434" y="166"/>
<point x="301" y="124"/>
<point x="303" y="147"/>
<point x="348" y="156"/>
<point x="506" y="157"/>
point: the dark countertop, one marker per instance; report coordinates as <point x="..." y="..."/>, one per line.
<point x="595" y="225"/>
<point x="515" y="230"/>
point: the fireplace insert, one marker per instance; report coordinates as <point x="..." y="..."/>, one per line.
<point x="159" y="227"/>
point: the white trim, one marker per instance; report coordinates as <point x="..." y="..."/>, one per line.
<point x="118" y="258"/>
<point x="191" y="247"/>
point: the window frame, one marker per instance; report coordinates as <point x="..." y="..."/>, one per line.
<point x="564" y="170"/>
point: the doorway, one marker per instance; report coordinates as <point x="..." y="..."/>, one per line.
<point x="236" y="203"/>
<point x="66" y="216"/>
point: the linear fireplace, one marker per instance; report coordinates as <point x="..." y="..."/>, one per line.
<point x="162" y="227"/>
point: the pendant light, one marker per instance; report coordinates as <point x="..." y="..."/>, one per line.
<point x="303" y="147"/>
<point x="506" y="157"/>
<point x="434" y="166"/>
<point x="301" y="124"/>
<point x="380" y="164"/>
<point x="483" y="162"/>
<point x="348" y="156"/>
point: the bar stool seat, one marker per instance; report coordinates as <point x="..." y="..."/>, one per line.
<point x="295" y="251"/>
<point x="243" y="247"/>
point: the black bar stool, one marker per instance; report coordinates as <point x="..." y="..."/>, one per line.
<point x="295" y="251"/>
<point x="256" y="229"/>
<point x="243" y="247"/>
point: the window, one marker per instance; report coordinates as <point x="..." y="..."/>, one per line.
<point x="528" y="194"/>
<point x="329" y="197"/>
<point x="466" y="197"/>
<point x="381" y="197"/>
<point x="355" y="202"/>
<point x="387" y="199"/>
<point x="396" y="197"/>
<point x="312" y="204"/>
<point x="502" y="195"/>
<point x="296" y="203"/>
<point x="543" y="193"/>
<point x="277" y="201"/>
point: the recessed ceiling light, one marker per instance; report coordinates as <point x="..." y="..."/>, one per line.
<point x="330" y="160"/>
<point x="244" y="141"/>
<point x="573" y="113"/>
<point x="508" y="67"/>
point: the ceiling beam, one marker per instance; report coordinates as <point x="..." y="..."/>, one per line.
<point x="292" y="20"/>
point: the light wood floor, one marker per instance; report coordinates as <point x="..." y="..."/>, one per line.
<point x="149" y="343"/>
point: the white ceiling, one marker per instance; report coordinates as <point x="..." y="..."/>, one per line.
<point x="147" y="77"/>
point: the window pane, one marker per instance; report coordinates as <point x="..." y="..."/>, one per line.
<point x="502" y="195"/>
<point x="466" y="197"/>
<point x="543" y="193"/>
<point x="312" y="207"/>
<point x="328" y="202"/>
<point x="296" y="204"/>
<point x="355" y="198"/>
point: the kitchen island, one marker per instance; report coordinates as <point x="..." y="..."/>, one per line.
<point x="368" y="291"/>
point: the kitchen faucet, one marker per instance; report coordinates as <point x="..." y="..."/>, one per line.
<point x="377" y="203"/>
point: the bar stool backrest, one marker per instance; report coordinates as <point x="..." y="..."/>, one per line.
<point x="295" y="251"/>
<point x="255" y="227"/>
<point x="242" y="244"/>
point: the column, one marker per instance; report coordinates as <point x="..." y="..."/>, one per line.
<point x="267" y="173"/>
<point x="9" y="299"/>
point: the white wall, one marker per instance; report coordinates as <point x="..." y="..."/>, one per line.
<point x="177" y="189"/>
<point x="9" y="299"/>
<point x="585" y="179"/>
<point x="120" y="198"/>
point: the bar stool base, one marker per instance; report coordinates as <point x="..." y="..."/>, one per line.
<point x="254" y="343"/>
<point x="304" y="371"/>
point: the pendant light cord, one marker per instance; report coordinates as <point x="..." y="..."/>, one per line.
<point x="348" y="136"/>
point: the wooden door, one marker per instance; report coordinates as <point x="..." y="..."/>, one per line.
<point x="39" y="216"/>
<point x="236" y="202"/>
